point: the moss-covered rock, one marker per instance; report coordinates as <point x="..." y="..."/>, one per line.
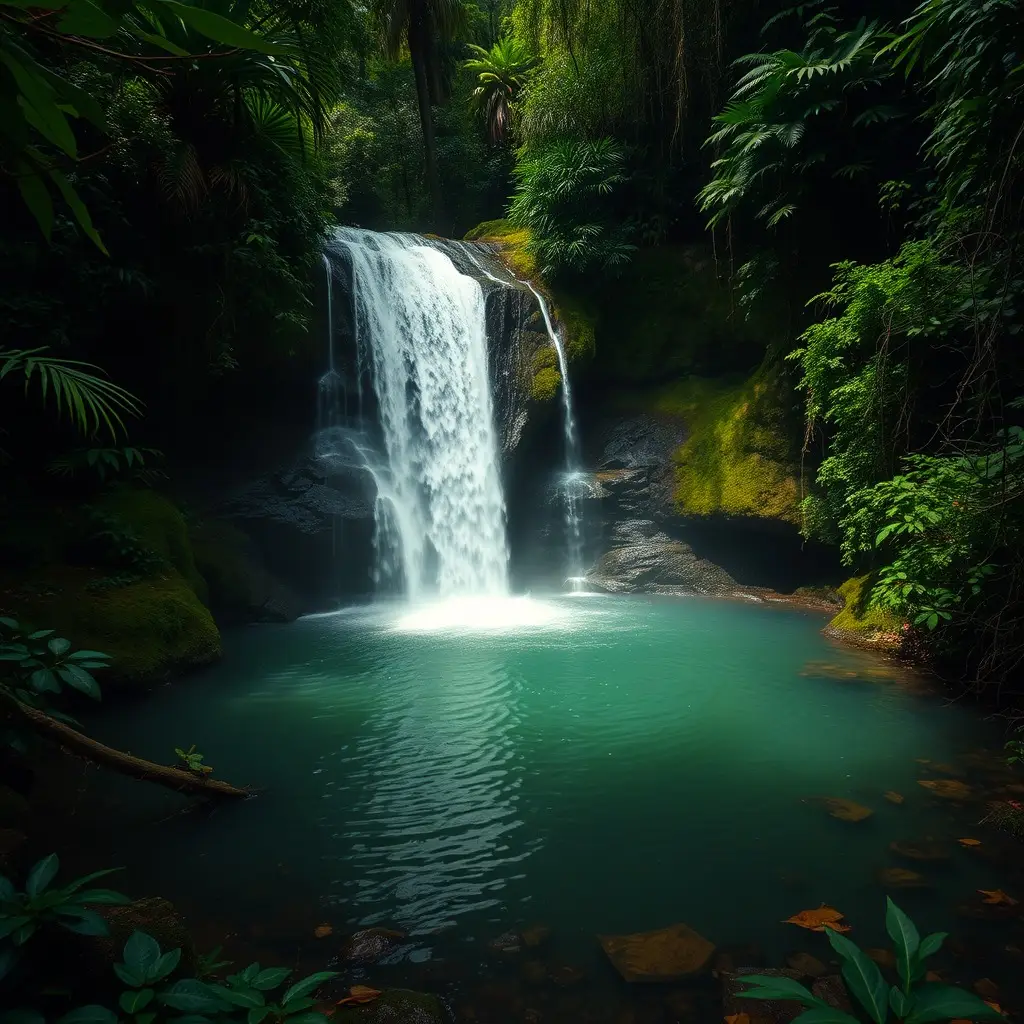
<point x="545" y="378"/>
<point x="117" y="575"/>
<point x="150" y="628"/>
<point x="575" y="314"/>
<point x="857" y="623"/>
<point x="737" y="458"/>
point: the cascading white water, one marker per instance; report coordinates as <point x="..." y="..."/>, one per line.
<point x="573" y="475"/>
<point x="440" y="508"/>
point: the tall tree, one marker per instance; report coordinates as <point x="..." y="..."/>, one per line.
<point x="421" y="25"/>
<point x="501" y="74"/>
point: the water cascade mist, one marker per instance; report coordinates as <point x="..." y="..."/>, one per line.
<point x="421" y="333"/>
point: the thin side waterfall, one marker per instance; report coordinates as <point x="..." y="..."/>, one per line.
<point x="440" y="511"/>
<point x="573" y="475"/>
<point x="573" y="481"/>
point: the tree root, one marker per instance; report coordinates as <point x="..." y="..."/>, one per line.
<point x="178" y="779"/>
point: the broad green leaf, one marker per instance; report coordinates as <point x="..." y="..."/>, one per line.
<point x="141" y="952"/>
<point x="9" y="925"/>
<point x="37" y="198"/>
<point x="216" y="27"/>
<point x="190" y="995"/>
<point x="270" y="978"/>
<point x="89" y="1015"/>
<point x="59" y="645"/>
<point x="943" y="1002"/>
<point x="89" y="656"/>
<point x="86" y="922"/>
<point x="145" y="1018"/>
<point x="905" y="937"/>
<point x="78" y="883"/>
<point x="307" y="1018"/>
<point x="136" y="1002"/>
<point x="306" y="986"/>
<point x="863" y="978"/>
<point x="167" y="964"/>
<point x="244" y="997"/>
<point x="37" y="99"/>
<point x="771" y="988"/>
<point x="7" y="890"/>
<point x="24" y="933"/>
<point x="134" y="979"/>
<point x="825" y="1015"/>
<point x="103" y="897"/>
<point x="76" y="677"/>
<point x="256" y="1014"/>
<point x="931" y="944"/>
<point x="900" y="1002"/>
<point x="42" y="874"/>
<point x="44" y="681"/>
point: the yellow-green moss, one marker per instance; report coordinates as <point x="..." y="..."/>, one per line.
<point x="856" y="617"/>
<point x="736" y="459"/>
<point x="149" y="629"/>
<point x="578" y="320"/>
<point x="513" y="242"/>
<point x="545" y="379"/>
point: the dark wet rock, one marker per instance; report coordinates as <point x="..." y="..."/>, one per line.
<point x="566" y="975"/>
<point x="311" y="524"/>
<point x="777" y="1011"/>
<point x="809" y="966"/>
<point x="369" y="945"/>
<point x="507" y="942"/>
<point x="396" y="1006"/>
<point x="831" y="990"/>
<point x="535" y="972"/>
<point x="535" y="935"/>
<point x="12" y="845"/>
<point x="648" y="561"/>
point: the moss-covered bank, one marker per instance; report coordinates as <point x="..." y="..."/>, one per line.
<point x="860" y="625"/>
<point x="116" y="574"/>
<point x="575" y="314"/>
<point x="738" y="458"/>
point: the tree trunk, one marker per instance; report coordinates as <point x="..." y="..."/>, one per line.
<point x="76" y="743"/>
<point x="419" y="48"/>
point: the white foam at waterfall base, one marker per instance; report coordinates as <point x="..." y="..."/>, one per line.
<point x="423" y="322"/>
<point x="481" y="615"/>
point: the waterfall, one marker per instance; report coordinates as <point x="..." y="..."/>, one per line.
<point x="420" y="328"/>
<point x="573" y="475"/>
<point x="573" y="483"/>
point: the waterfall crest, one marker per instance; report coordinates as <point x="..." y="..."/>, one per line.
<point x="421" y="330"/>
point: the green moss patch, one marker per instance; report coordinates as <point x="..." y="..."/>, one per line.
<point x="545" y="378"/>
<point x="514" y="245"/>
<point x="150" y="628"/>
<point x="737" y="458"/>
<point x="134" y="592"/>
<point x="857" y="618"/>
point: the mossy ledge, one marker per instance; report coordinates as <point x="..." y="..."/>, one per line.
<point x="574" y="314"/>
<point x="152" y="626"/>
<point x="737" y="456"/>
<point x="861" y="625"/>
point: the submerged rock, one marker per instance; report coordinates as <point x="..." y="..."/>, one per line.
<point x="846" y="810"/>
<point x="776" y="1011"/>
<point x="395" y="1006"/>
<point x="369" y="945"/>
<point x="668" y="954"/>
<point x="901" y="878"/>
<point x="926" y="850"/>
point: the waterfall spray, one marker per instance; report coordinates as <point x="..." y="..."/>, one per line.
<point x="420" y="326"/>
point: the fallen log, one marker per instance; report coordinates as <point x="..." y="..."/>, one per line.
<point x="80" y="745"/>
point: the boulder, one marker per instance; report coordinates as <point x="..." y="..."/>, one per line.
<point x="668" y="954"/>
<point x="395" y="1006"/>
<point x="369" y="945"/>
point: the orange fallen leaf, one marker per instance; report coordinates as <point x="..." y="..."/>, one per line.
<point x="997" y="897"/>
<point x="969" y="842"/>
<point x="995" y="1006"/>
<point x="359" y="994"/>
<point x="818" y="920"/>
<point x="738" y="1018"/>
<point x="893" y="797"/>
<point x="933" y="976"/>
<point x="321" y="931"/>
<point x="951" y="789"/>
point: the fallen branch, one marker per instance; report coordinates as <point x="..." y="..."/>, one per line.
<point x="74" y="742"/>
